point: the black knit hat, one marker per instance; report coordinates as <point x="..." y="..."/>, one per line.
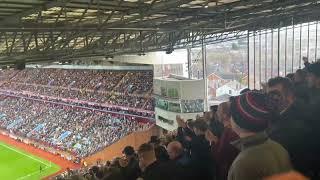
<point x="250" y="111"/>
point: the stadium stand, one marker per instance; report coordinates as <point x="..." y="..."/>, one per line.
<point x="78" y="111"/>
<point x="261" y="124"/>
<point x="268" y="131"/>
<point x="121" y="88"/>
<point x="80" y="131"/>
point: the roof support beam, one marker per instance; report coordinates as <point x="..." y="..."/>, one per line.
<point x="16" y="19"/>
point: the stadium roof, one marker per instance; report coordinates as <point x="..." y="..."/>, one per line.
<point x="40" y="30"/>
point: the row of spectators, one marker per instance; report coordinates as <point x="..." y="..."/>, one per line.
<point x="261" y="134"/>
<point x="81" y="131"/>
<point x="123" y="88"/>
<point x="132" y="101"/>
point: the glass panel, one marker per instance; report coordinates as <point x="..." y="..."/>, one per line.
<point x="297" y="58"/>
<point x="192" y="106"/>
<point x="318" y="41"/>
<point x="251" y="62"/>
<point x="270" y="54"/>
<point x="304" y="44"/>
<point x="282" y="49"/>
<point x="264" y="55"/>
<point x="226" y="69"/>
<point x="196" y="63"/>
<point x="174" y="107"/>
<point x="289" y="50"/>
<point x="275" y="53"/>
<point x="312" y="41"/>
<point x="162" y="104"/>
<point x="257" y="60"/>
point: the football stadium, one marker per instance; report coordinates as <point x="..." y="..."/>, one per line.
<point x="159" y="89"/>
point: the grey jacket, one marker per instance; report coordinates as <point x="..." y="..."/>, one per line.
<point x="259" y="157"/>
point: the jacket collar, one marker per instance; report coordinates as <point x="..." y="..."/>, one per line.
<point x="244" y="143"/>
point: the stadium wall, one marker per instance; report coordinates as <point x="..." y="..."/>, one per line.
<point x="115" y="150"/>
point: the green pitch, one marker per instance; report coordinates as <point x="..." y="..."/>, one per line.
<point x="18" y="164"/>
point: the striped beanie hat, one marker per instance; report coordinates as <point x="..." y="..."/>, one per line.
<point x="250" y="111"/>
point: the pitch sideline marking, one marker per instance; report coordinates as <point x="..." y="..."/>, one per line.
<point x="31" y="174"/>
<point x="23" y="154"/>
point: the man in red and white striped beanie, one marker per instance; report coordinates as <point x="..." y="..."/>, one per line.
<point x="259" y="156"/>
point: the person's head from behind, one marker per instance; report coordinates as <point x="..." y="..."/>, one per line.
<point x="281" y="89"/>
<point x="115" y="162"/>
<point x="146" y="155"/>
<point x="290" y="76"/>
<point x="154" y="140"/>
<point x="223" y="113"/>
<point x="313" y="75"/>
<point x="175" y="150"/>
<point x="128" y="151"/>
<point x="213" y="111"/>
<point x="200" y="126"/>
<point x="94" y="170"/>
<point x="214" y="108"/>
<point x="161" y="153"/>
<point x="250" y="113"/>
<point x="300" y="76"/>
<point x="207" y="116"/>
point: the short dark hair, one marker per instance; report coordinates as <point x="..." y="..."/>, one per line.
<point x="285" y="82"/>
<point x="290" y="76"/>
<point x="314" y="69"/>
<point x="128" y="150"/>
<point x="145" y="148"/>
<point x="200" y="124"/>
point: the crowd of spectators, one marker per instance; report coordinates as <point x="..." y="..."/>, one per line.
<point x="78" y="130"/>
<point x="269" y="134"/>
<point x="6" y="74"/>
<point x="122" y="88"/>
